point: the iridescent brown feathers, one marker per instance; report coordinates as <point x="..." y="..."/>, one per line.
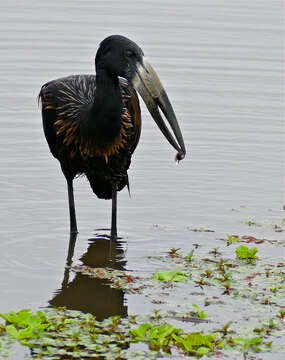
<point x="88" y="147"/>
<point x="76" y="95"/>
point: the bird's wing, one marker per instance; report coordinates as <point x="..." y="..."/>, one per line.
<point x="132" y="104"/>
<point x="64" y="102"/>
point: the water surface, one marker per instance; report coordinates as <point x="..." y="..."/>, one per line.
<point x="222" y="65"/>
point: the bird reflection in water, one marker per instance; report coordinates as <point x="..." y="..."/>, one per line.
<point x="93" y="295"/>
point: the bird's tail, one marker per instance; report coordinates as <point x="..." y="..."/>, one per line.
<point x="102" y="187"/>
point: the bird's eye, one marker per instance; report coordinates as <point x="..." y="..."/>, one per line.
<point x="129" y="53"/>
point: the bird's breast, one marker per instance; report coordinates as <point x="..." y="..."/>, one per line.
<point x="81" y="143"/>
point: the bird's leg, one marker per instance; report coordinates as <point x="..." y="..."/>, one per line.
<point x="114" y="213"/>
<point x="73" y="224"/>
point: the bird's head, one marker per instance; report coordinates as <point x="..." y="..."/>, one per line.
<point x="119" y="56"/>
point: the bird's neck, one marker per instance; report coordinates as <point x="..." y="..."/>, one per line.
<point x="104" y="120"/>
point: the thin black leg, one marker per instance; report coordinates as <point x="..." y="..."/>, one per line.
<point x="73" y="224"/>
<point x="114" y="213"/>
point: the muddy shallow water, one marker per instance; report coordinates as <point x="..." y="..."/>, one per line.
<point x="221" y="63"/>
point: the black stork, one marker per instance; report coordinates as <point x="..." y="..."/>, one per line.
<point x="92" y="123"/>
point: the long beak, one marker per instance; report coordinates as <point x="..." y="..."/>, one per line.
<point x="153" y="94"/>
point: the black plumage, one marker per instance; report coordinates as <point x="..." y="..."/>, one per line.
<point x="66" y="103"/>
<point x="92" y="123"/>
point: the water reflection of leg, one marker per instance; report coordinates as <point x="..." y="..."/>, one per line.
<point x="114" y="213"/>
<point x="71" y="246"/>
<point x="91" y="294"/>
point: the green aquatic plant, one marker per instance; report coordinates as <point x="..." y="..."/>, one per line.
<point x="253" y="292"/>
<point x="225" y="330"/>
<point x="250" y="222"/>
<point x="246" y="344"/>
<point x="23" y="324"/>
<point x="117" y="279"/>
<point x="166" y="336"/>
<point x="155" y="335"/>
<point x="245" y="253"/>
<point x="190" y="255"/>
<point x="170" y="275"/>
<point x="155" y="315"/>
<point x="201" y="314"/>
<point x="199" y="344"/>
<point x="232" y="239"/>
<point x="64" y="333"/>
<point x="276" y="288"/>
<point x="72" y="334"/>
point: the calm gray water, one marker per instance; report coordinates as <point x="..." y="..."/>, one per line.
<point x="222" y="65"/>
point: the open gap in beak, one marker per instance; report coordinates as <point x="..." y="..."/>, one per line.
<point x="153" y="94"/>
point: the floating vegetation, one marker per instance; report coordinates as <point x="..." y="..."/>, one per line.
<point x="221" y="302"/>
<point x="24" y="325"/>
<point x="278" y="227"/>
<point x="166" y="336"/>
<point x="249" y="239"/>
<point x="245" y="253"/>
<point x="117" y="279"/>
<point x="66" y="334"/>
<point x="200" y="313"/>
<point x="232" y="239"/>
<point x="170" y="275"/>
